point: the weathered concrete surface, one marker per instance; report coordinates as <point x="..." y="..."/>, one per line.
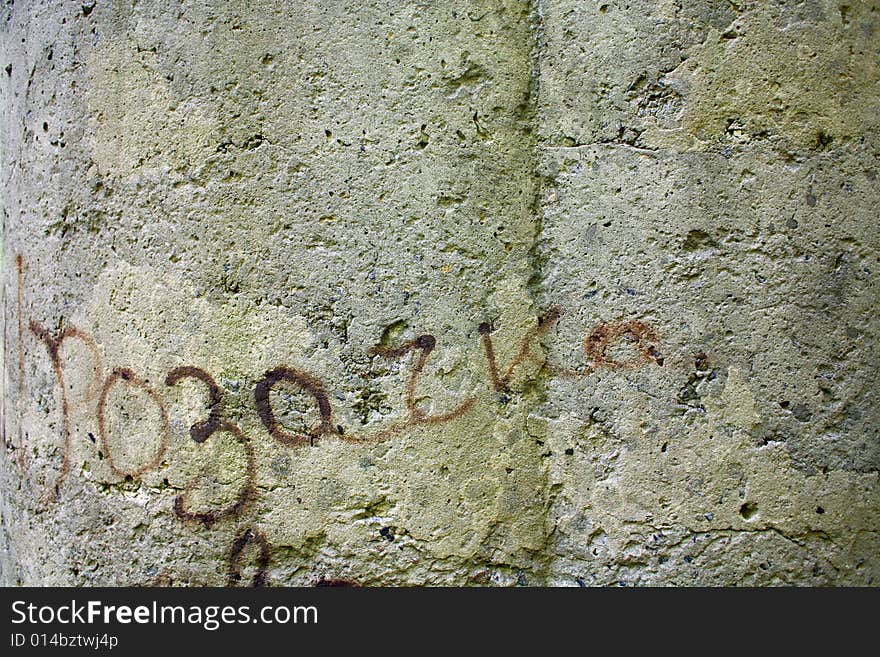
<point x="492" y="293"/>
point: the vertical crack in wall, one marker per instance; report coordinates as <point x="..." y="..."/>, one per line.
<point x="534" y="394"/>
<point x="537" y="258"/>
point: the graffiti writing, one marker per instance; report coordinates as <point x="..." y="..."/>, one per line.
<point x="601" y="347"/>
<point x="543" y="325"/>
<point x="249" y="537"/>
<point x="308" y="383"/>
<point x="201" y="431"/>
<point x="53" y="345"/>
<point x="123" y="375"/>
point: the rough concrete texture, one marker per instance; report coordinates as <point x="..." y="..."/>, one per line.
<point x="470" y="292"/>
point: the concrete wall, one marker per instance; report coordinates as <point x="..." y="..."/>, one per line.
<point x="470" y="292"/>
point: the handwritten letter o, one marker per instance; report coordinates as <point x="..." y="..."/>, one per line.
<point x="123" y="375"/>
